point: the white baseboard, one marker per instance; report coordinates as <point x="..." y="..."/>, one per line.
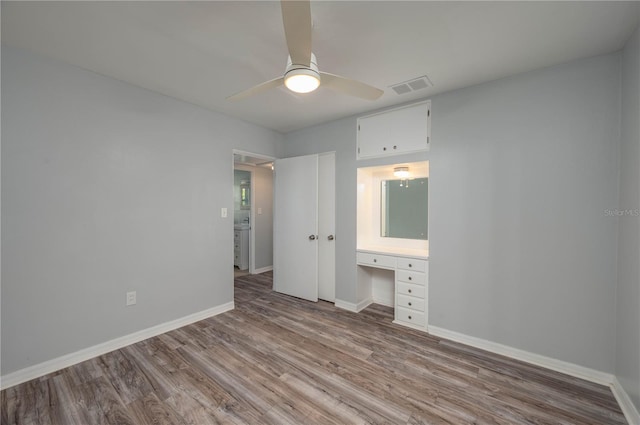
<point x="536" y="359"/>
<point x="345" y="305"/>
<point x="263" y="270"/>
<point x="364" y="304"/>
<point x="383" y="301"/>
<point x="41" y="369"/>
<point x="626" y="405"/>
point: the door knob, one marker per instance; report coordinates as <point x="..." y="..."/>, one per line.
<point x="330" y="237"/>
<point x="312" y="237"/>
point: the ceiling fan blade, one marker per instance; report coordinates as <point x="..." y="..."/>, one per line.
<point x="296" y="16"/>
<point x="350" y="87"/>
<point x="257" y="89"/>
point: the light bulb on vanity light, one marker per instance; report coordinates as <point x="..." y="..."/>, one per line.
<point x="401" y="172"/>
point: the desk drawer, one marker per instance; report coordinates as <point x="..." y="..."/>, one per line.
<point x="410" y="316"/>
<point x="376" y="260"/>
<point x="410" y="289"/>
<point x="411" y="303"/>
<point x="412" y="264"/>
<point x="416" y="278"/>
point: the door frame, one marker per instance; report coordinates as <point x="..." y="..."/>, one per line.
<point x="252" y="231"/>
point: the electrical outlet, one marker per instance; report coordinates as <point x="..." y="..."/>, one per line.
<point x="131" y="298"/>
<point x="259" y="211"/>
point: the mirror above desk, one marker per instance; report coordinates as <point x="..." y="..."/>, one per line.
<point x="404" y="207"/>
<point x="392" y="209"/>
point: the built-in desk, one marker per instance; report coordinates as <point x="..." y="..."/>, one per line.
<point x="406" y="272"/>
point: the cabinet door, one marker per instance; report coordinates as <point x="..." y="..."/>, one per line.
<point x="394" y="132"/>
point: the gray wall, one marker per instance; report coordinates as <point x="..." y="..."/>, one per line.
<point x="628" y="308"/>
<point x="521" y="171"/>
<point x="108" y="188"/>
<point x="263" y="223"/>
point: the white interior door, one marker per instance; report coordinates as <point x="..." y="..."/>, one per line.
<point x="295" y="239"/>
<point x="326" y="227"/>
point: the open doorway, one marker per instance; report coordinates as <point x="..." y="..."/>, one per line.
<point x="253" y="213"/>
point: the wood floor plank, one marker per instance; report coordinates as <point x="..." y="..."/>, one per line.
<point x="124" y="376"/>
<point x="282" y="360"/>
<point x="150" y="410"/>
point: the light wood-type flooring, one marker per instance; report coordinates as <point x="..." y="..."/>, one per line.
<point x="280" y="360"/>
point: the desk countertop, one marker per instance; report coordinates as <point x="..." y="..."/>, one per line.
<point x="396" y="251"/>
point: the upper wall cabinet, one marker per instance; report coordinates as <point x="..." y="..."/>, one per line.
<point x="395" y="131"/>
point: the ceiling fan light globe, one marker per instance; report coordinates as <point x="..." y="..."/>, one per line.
<point x="302" y="80"/>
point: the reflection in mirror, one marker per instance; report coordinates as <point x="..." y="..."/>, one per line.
<point x="404" y="208"/>
<point x="245" y="199"/>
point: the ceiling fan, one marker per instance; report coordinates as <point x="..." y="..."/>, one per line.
<point x="302" y="74"/>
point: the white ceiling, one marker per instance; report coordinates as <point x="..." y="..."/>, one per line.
<point x="202" y="52"/>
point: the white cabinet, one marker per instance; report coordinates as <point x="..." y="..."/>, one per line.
<point x="377" y="260"/>
<point x="411" y="292"/>
<point x="410" y="282"/>
<point x="241" y="248"/>
<point x="396" y="131"/>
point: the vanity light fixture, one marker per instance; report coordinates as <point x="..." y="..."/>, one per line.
<point x="401" y="172"/>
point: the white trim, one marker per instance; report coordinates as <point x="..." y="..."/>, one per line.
<point x="410" y="325"/>
<point x="356" y="308"/>
<point x="38" y="370"/>
<point x="383" y="301"/>
<point x="346" y="305"/>
<point x="628" y="408"/>
<point x="536" y="359"/>
<point x="263" y="270"/>
<point x="364" y="304"/>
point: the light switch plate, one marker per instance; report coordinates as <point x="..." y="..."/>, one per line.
<point x="223" y="212"/>
<point x="259" y="210"/>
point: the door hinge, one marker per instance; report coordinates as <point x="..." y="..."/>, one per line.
<point x="428" y="112"/>
<point x="358" y="127"/>
<point x="358" y="150"/>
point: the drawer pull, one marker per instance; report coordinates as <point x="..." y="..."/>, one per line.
<point x="409" y="317"/>
<point x="409" y="277"/>
<point x="410" y="265"/>
<point x="375" y="261"/>
<point x="409" y="290"/>
<point x="409" y="304"/>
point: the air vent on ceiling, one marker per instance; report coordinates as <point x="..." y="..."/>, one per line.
<point x="412" y="85"/>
